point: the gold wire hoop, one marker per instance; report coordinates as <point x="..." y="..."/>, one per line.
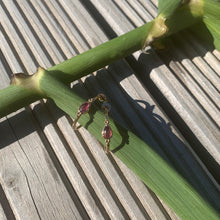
<point x="85" y="107"/>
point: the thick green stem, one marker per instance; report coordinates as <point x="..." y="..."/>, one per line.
<point x="103" y="55"/>
<point x="78" y="67"/>
<point x="15" y="97"/>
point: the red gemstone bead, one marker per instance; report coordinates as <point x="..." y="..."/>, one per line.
<point x="84" y="108"/>
<point x="107" y="132"/>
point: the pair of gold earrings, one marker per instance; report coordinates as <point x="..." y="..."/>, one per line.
<point x="84" y="108"/>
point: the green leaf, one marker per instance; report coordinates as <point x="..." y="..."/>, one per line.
<point x="212" y="20"/>
<point x="209" y="28"/>
<point x="213" y="26"/>
<point x="164" y="180"/>
<point x="167" y="7"/>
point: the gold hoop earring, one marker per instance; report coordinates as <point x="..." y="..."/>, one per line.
<point x="107" y="132"/>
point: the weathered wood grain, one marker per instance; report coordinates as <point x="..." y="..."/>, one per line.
<point x="3" y="205"/>
<point x="34" y="189"/>
<point x="2" y="214"/>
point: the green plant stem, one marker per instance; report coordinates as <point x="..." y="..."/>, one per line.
<point x="101" y="56"/>
<point x="78" y="67"/>
<point x="15" y="97"/>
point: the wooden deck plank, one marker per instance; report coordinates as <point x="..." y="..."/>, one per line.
<point x="67" y="25"/>
<point x="143" y="13"/>
<point x="33" y="36"/>
<point x="188" y="109"/>
<point x="35" y="186"/>
<point x="197" y="91"/>
<point x="5" y="212"/>
<point x="59" y="46"/>
<point x="149" y="6"/>
<point x="217" y="54"/>
<point x="196" y="82"/>
<point x="110" y="15"/>
<point x="202" y="73"/>
<point x="128" y="201"/>
<point x="12" y="61"/>
<point x="16" y="42"/>
<point x="127" y="10"/>
<point x="84" y="21"/>
<point x="2" y="214"/>
<point x="13" y="178"/>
